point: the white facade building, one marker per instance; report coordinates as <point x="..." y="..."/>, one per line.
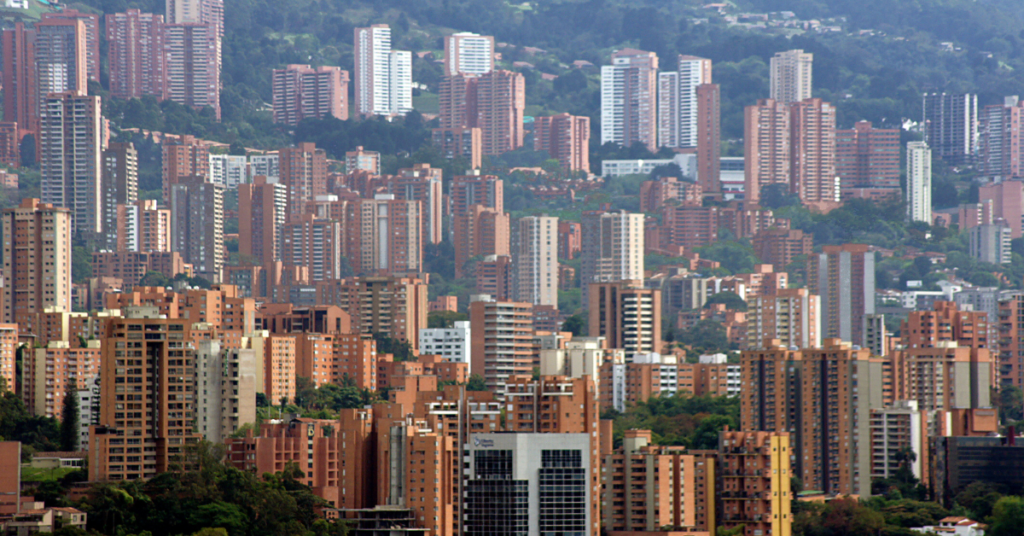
<point x="228" y="170"/>
<point x="88" y="410"/>
<point x="677" y="101"/>
<point x="383" y="77"/>
<point x="452" y="344"/>
<point x="225" y="390"/>
<point x="468" y="53"/>
<point x="919" y="182"/>
<point x="791" y="76"/>
<point x="267" y="165"/>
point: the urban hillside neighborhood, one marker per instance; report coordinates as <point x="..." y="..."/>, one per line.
<point x="473" y="267"/>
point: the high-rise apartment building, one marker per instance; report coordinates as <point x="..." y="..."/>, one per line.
<point x="480" y="231"/>
<point x="183" y="156"/>
<point x="823" y="397"/>
<point x="999" y="140"/>
<point x="844" y="278"/>
<point x="71" y="158"/>
<point x="813" y="153"/>
<point x="780" y="247"/>
<point x="709" y="138"/>
<point x="767" y="147"/>
<point x="951" y="125"/>
<point x="225" y="391"/>
<point x="362" y="160"/>
<point x="396" y="306"/>
<point x="452" y="344"/>
<point x="141" y="227"/>
<point x="383" y="77"/>
<point x="199" y="11"/>
<point x="8" y="356"/>
<point x="753" y="482"/>
<point x="228" y="170"/>
<point x="192" y="64"/>
<point x="678" y="103"/>
<point x="468" y="53"/>
<point x="422" y="183"/>
<point x="119" y="186"/>
<point x="999" y="200"/>
<point x="566" y="138"/>
<point x="790" y="316"/>
<point x="627" y="315"/>
<point x="135" y="54"/>
<point x="301" y="92"/>
<point x="469" y="190"/>
<point x="535" y="260"/>
<point x="502" y="340"/>
<point x="461" y="142"/>
<point x="612" y="248"/>
<point x="946" y="324"/>
<point x="197" y="225"/>
<point x="868" y="158"/>
<point x="20" y="104"/>
<point x="49" y="373"/>
<point x="262" y="205"/>
<point x="629" y="88"/>
<point x="303" y="171"/>
<point x="494" y="276"/>
<point x="990" y="243"/>
<point x="385" y="235"/>
<point x="1011" y="332"/>
<point x="61" y="61"/>
<point x="919" y="182"/>
<point x="146" y="383"/>
<point x="314" y="242"/>
<point x="91" y="23"/>
<point x="791" y="76"/>
<point x="494" y="102"/>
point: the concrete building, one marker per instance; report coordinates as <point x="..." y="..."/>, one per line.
<point x="627" y="315"/>
<point x="153" y="417"/>
<point x="991" y="243"/>
<point x="88" y="410"/>
<point x="709" y="138"/>
<point x="37" y="268"/>
<point x="791" y="76"/>
<point x="999" y="140"/>
<point x="1011" y="330"/>
<point x="919" y="182"/>
<point x="135" y="55"/>
<point x="8" y="356"/>
<point x="131" y="267"/>
<point x="183" y="156"/>
<point x="752" y="489"/>
<point x="774" y="379"/>
<point x="143" y="227"/>
<point x="469" y="190"/>
<point x="91" y="23"/>
<point x="612" y="248"/>
<point x="566" y="138"/>
<point x="452" y="344"/>
<point x="228" y="170"/>
<point x="422" y="183"/>
<point x="385" y="235"/>
<point x="494" y="277"/>
<point x="20" y="104"/>
<point x="197" y="225"/>
<point x="502" y="340"/>
<point x="781" y="247"/>
<point x="383" y="77"/>
<point x="629" y="89"/>
<point x="301" y="92"/>
<point x="263" y="206"/>
<point x="494" y="102"/>
<point x="267" y="165"/>
<point x="199" y="11"/>
<point x="767" y="146"/>
<point x="303" y="171"/>
<point x="480" y="231"/>
<point x="844" y="278"/>
<point x="61" y="60"/>
<point x="524" y="466"/>
<point x="951" y="125"/>
<point x="51" y="372"/>
<point x="192" y="58"/>
<point x="468" y="53"/>
<point x="463" y="142"/>
<point x="1002" y="201"/>
<point x="362" y="160"/>
<point x="813" y="153"/>
<point x="71" y="139"/>
<point x="315" y="243"/>
<point x="396" y="306"/>
<point x="868" y="158"/>
<point x="226" y="385"/>
<point x="119" y="186"/>
<point x="790" y="316"/>
<point x="678" y="103"/>
<point x="894" y="429"/>
<point x="535" y="260"/>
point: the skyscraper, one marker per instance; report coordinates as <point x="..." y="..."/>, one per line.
<point x="262" y="205"/>
<point x="494" y="102"/>
<point x="192" y="55"/>
<point x="20" y="98"/>
<point x="37" y="267"/>
<point x="678" y="103"/>
<point x="951" y="125"/>
<point x="566" y="138"/>
<point x="197" y="11"/>
<point x="766" y="147"/>
<point x="183" y="156"/>
<point x="382" y="77"/>
<point x="612" y="248"/>
<point x="868" y="158"/>
<point x="422" y="183"/>
<point x="91" y="23"/>
<point x="791" y="74"/>
<point x="468" y="53"/>
<point x="813" y="153"/>
<point x="629" y="90"/>
<point x="226" y="385"/>
<point x="70" y="138"/>
<point x="709" y="138"/>
<point x="197" y="224"/>
<point x="919" y="182"/>
<point x="120" y="185"/>
<point x="469" y="190"/>
<point x="790" y="315"/>
<point x="502" y="340"/>
<point x="387" y="235"/>
<point x="303" y="171"/>
<point x="999" y="139"/>
<point x="479" y="231"/>
<point x="627" y="315"/>
<point x="844" y="278"/>
<point x="135" y="54"/>
<point x="535" y="260"/>
<point x="301" y="92"/>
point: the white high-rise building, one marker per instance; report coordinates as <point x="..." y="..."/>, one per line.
<point x="629" y="88"/>
<point x="468" y="53"/>
<point x="383" y="77"/>
<point x="452" y="343"/>
<point x="919" y="182"/>
<point x="267" y="165"/>
<point x="677" y="101"/>
<point x="227" y="170"/>
<point x="613" y="248"/>
<point x="535" y="260"/>
<point x="225" y="384"/>
<point x="791" y="76"/>
<point x="71" y="137"/>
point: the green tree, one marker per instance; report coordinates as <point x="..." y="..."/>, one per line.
<point x="576" y="324"/>
<point x="386" y="344"/>
<point x="731" y="300"/>
<point x="444" y="319"/>
<point x="476" y="383"/>
<point x="1007" y="517"/>
<point x="69" y="419"/>
<point x="1011" y="403"/>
